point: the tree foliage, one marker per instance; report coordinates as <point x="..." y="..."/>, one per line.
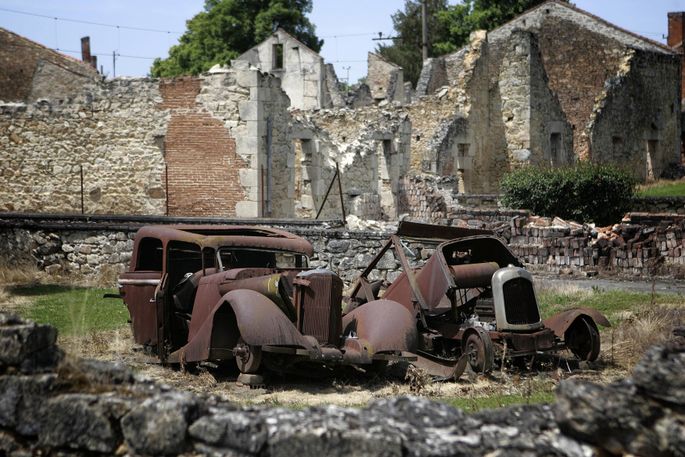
<point x="586" y="192"/>
<point x="227" y="28"/>
<point x="449" y="27"/>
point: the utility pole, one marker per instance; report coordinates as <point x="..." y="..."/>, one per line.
<point x="424" y="30"/>
<point x="347" y="79"/>
<point x="114" y="64"/>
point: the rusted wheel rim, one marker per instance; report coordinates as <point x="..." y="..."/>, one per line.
<point x="247" y="357"/>
<point x="582" y="338"/>
<point x="475" y="349"/>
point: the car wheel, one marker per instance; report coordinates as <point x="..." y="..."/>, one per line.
<point x="479" y="359"/>
<point x="247" y="357"/>
<point x="582" y="339"/>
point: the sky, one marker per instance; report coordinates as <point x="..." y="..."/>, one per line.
<point x="347" y="27"/>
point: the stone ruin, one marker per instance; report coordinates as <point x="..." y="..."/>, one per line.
<point x="51" y="404"/>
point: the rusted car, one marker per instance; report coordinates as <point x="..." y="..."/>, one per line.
<point x="215" y="293"/>
<point x="474" y="303"/>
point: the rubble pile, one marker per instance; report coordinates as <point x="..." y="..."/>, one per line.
<point x="640" y="245"/>
<point x="50" y="404"/>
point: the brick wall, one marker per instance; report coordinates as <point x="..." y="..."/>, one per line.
<point x="202" y="165"/>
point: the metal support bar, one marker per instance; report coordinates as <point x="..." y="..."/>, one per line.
<point x="411" y="277"/>
<point x="83" y="209"/>
<point x="342" y="202"/>
<point x="330" y="186"/>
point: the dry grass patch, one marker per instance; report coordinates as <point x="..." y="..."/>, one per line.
<point x="639" y="331"/>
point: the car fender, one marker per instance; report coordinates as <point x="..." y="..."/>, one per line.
<point x="239" y="313"/>
<point x="261" y="322"/>
<point x="559" y="323"/>
<point x="383" y="325"/>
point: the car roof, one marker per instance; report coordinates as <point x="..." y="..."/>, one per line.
<point x="228" y="235"/>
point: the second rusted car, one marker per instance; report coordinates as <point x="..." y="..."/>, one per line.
<point x="474" y="302"/>
<point x="215" y="293"/>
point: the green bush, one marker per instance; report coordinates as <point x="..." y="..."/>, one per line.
<point x="584" y="193"/>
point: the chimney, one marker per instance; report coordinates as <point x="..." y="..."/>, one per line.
<point x="676" y="28"/>
<point x="85" y="52"/>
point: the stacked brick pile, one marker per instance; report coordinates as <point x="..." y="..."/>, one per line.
<point x="640" y="245"/>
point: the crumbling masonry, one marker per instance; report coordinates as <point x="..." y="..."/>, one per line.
<point x="264" y="137"/>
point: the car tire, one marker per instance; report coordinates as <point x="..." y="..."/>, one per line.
<point x="479" y="359"/>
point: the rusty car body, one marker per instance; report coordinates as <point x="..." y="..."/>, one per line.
<point x="243" y="293"/>
<point x="474" y="302"/>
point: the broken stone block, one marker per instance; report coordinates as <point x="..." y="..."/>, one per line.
<point x="661" y="374"/>
<point x="237" y="430"/>
<point x="19" y="340"/>
<point x="83" y="421"/>
<point x="22" y="402"/>
<point x="158" y="426"/>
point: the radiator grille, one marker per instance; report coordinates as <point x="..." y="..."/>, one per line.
<point x="318" y="298"/>
<point x="519" y="302"/>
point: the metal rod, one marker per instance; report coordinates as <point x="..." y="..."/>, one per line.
<point x="166" y="183"/>
<point x="83" y="209"/>
<point x="330" y="186"/>
<point x="269" y="168"/>
<point x="424" y="31"/>
<point x="342" y="202"/>
<point x="261" y="190"/>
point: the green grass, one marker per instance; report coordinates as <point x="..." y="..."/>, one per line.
<point x="609" y="302"/>
<point x="471" y="405"/>
<point x="663" y="189"/>
<point x="73" y="310"/>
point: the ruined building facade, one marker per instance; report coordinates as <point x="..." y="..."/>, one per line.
<point x="552" y="86"/>
<point x="266" y="136"/>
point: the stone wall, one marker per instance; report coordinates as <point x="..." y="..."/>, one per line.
<point x="643" y="246"/>
<point x="552" y="86"/>
<point x="109" y="133"/>
<point x="189" y="146"/>
<point x="52" y="405"/>
<point x="371" y="147"/>
<point x="385" y="79"/>
<point x="644" y="140"/>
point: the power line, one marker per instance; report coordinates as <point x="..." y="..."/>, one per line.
<point x="100" y="24"/>
<point x="343" y="35"/>
<point x="105" y="54"/>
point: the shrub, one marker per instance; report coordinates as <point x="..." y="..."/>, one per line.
<point x="584" y="193"/>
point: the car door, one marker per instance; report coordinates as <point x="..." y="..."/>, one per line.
<point x="139" y="287"/>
